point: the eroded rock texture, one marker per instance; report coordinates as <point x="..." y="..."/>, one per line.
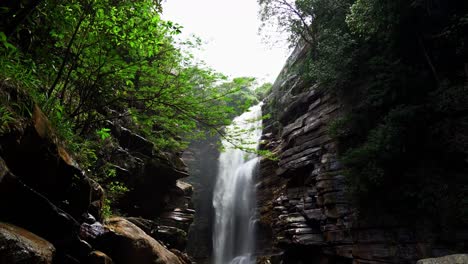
<point x="127" y="243"/>
<point x="21" y="246"/>
<point x="305" y="212"/>
<point x="452" y="259"/>
<point x="51" y="209"/>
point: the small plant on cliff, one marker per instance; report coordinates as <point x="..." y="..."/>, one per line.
<point x="6" y="117"/>
<point x="114" y="191"/>
<point x="103" y="133"/>
<point x="7" y="45"/>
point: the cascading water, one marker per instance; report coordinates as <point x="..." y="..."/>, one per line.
<point x="234" y="193"/>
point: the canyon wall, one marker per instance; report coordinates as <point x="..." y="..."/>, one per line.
<point x="305" y="211"/>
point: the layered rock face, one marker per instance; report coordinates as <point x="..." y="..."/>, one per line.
<point x="158" y="196"/>
<point x="305" y="212"/>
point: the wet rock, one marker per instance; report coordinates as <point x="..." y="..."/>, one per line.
<point x="150" y="227"/>
<point x="451" y="259"/>
<point x="34" y="154"/>
<point x="302" y="231"/>
<point x="308" y="239"/>
<point x="332" y="183"/>
<point x="187" y="188"/>
<point x="92" y="231"/>
<point x="314" y="215"/>
<point x="96" y="201"/>
<point x="18" y="245"/>
<point x="130" y="140"/>
<point x="292" y="218"/>
<point x="89" y="218"/>
<point x="22" y="206"/>
<point x="172" y="237"/>
<point x="178" y="198"/>
<point x="153" y="182"/>
<point x="126" y="242"/>
<point x="180" y="218"/>
<point x="98" y="257"/>
<point x="336" y="211"/>
<point x="183" y="256"/>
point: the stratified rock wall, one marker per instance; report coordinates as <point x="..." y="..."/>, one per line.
<point x="305" y="212"/>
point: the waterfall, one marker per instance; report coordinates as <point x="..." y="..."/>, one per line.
<point x="234" y="193"/>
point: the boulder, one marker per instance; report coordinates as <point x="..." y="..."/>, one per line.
<point x="186" y="188"/>
<point x="127" y="242"/>
<point x="90" y="232"/>
<point x="451" y="259"/>
<point x="183" y="256"/>
<point x="150" y="227"/>
<point x="18" y="245"/>
<point x="172" y="237"/>
<point x="24" y="207"/>
<point x="34" y="154"/>
<point x="98" y="257"/>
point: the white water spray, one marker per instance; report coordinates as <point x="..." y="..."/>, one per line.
<point x="234" y="193"/>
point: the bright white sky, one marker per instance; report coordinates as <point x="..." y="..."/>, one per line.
<point x="230" y="30"/>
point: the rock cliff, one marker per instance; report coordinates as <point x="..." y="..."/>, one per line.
<point x="306" y="214"/>
<point x="51" y="209"/>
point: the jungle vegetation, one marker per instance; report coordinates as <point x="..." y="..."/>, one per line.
<point x="89" y="63"/>
<point x="400" y="68"/>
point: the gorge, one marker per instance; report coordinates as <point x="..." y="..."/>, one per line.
<point x="118" y="146"/>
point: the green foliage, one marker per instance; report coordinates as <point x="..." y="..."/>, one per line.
<point x="103" y="133"/>
<point x="5" y="43"/>
<point x="93" y="56"/>
<point x="321" y="25"/>
<point x="85" y="152"/>
<point x="239" y="94"/>
<point x="339" y="128"/>
<point x="397" y="67"/>
<point x="239" y="137"/>
<point x="362" y="20"/>
<point x="332" y="67"/>
<point x="18" y="71"/>
<point x="267" y="154"/>
<point x="263" y="90"/>
<point x="6" y="117"/>
<point x="106" y="209"/>
<point x="114" y="189"/>
<point x="92" y="64"/>
<point x="384" y="148"/>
